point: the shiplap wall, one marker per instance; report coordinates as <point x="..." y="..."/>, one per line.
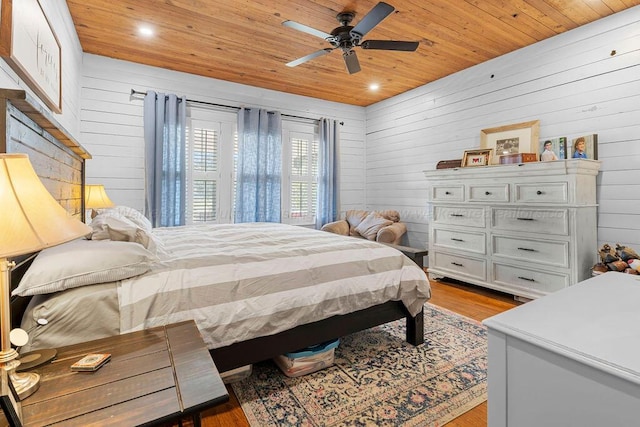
<point x="60" y="20"/>
<point x="573" y="83"/>
<point x="112" y="122"/>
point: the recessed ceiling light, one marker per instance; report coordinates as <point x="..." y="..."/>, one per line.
<point x="145" y="31"/>
<point x="374" y="86"/>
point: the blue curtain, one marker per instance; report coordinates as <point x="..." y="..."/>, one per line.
<point x="259" y="168"/>
<point x="164" y="137"/>
<point x="328" y="168"/>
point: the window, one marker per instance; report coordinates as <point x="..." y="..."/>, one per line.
<point x="210" y="147"/>
<point x="300" y="173"/>
<point x="204" y="174"/>
<point x="212" y="144"/>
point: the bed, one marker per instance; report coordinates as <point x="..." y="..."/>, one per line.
<point x="319" y="268"/>
<point x="255" y="290"/>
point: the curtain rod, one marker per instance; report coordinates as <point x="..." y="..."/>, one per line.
<point x="137" y="92"/>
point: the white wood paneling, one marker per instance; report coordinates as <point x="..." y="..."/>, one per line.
<point x="112" y="122"/>
<point x="574" y="83"/>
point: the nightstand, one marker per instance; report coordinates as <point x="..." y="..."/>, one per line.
<point x="154" y="376"/>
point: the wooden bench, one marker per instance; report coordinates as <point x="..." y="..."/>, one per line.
<point x="416" y="255"/>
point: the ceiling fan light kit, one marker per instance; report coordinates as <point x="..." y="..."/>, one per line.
<point x="347" y="37"/>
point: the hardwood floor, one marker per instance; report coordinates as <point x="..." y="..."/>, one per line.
<point x="471" y="301"/>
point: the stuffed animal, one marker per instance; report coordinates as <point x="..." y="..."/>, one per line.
<point x="608" y="254"/>
<point x="618" y="265"/>
<point x="634" y="263"/>
<point x="626" y="253"/>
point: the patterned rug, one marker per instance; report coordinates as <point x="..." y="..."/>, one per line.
<point x="378" y="379"/>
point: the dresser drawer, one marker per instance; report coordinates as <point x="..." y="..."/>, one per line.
<point x="451" y="215"/>
<point x="542" y="221"/>
<point x="488" y="193"/>
<point x="462" y="240"/>
<point x="538" y="283"/>
<point x="553" y="192"/>
<point x="530" y="250"/>
<point x="448" y="193"/>
<point x="460" y="265"/>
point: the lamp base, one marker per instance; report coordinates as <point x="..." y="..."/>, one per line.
<point x="35" y="358"/>
<point x="25" y="383"/>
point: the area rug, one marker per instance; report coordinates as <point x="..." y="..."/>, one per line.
<point x="378" y="379"/>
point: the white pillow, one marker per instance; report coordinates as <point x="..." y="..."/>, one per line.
<point x="81" y="263"/>
<point x="132" y="215"/>
<point x="114" y="226"/>
<point x="370" y="226"/>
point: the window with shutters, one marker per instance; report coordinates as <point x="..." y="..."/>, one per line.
<point x="210" y="169"/>
<point x="212" y="152"/>
<point x="300" y="164"/>
<point x="204" y="175"/>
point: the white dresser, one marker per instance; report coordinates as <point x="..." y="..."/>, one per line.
<point x="568" y="359"/>
<point x="526" y="229"/>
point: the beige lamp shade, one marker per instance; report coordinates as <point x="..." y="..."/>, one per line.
<point x="30" y="218"/>
<point x="95" y="197"/>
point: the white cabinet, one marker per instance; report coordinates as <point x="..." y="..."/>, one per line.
<point x="527" y="229"/>
<point x="568" y="359"/>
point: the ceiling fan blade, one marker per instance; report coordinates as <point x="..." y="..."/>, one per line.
<point x="390" y="45"/>
<point x="351" y="61"/>
<point x="308" y="57"/>
<point x="373" y="18"/>
<point x="306" y="29"/>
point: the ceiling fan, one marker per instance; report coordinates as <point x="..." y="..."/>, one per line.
<point x="346" y="37"/>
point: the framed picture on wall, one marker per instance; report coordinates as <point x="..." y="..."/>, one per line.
<point x="584" y="147"/>
<point x="481" y="157"/>
<point x="5" y="28"/>
<point x="34" y="53"/>
<point x="511" y="139"/>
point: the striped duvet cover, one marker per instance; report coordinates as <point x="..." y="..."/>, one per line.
<point x="242" y="281"/>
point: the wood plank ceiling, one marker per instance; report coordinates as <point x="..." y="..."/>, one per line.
<point x="244" y="41"/>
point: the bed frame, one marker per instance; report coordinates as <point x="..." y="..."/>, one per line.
<point x="25" y="124"/>
<point x="267" y="347"/>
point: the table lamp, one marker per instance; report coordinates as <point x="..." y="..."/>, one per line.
<point x="30" y="220"/>
<point x="95" y="197"/>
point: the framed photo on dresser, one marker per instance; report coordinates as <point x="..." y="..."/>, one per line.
<point x="511" y="139"/>
<point x="479" y="157"/>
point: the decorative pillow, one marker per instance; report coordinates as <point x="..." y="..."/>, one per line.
<point x="370" y="226"/>
<point x="132" y="215"/>
<point x="81" y="263"/>
<point x="354" y="217"/>
<point x="113" y="226"/>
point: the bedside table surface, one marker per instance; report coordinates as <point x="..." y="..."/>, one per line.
<point x="154" y="376"/>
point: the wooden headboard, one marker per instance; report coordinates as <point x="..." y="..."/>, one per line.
<point x="57" y="158"/>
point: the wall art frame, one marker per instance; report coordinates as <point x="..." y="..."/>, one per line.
<point x="477" y="157"/>
<point x="5" y="28"/>
<point x="511" y="139"/>
<point x="34" y="50"/>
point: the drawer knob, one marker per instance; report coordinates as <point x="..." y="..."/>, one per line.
<point x="447" y="192"/>
<point x="526" y="278"/>
<point x="457" y="215"/>
<point x="487" y="193"/>
<point x="526" y="249"/>
<point x="538" y="192"/>
<point x="457" y="240"/>
<point x="457" y="264"/>
<point x="524" y="219"/>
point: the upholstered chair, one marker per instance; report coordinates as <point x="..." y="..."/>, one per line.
<point x="381" y="226"/>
